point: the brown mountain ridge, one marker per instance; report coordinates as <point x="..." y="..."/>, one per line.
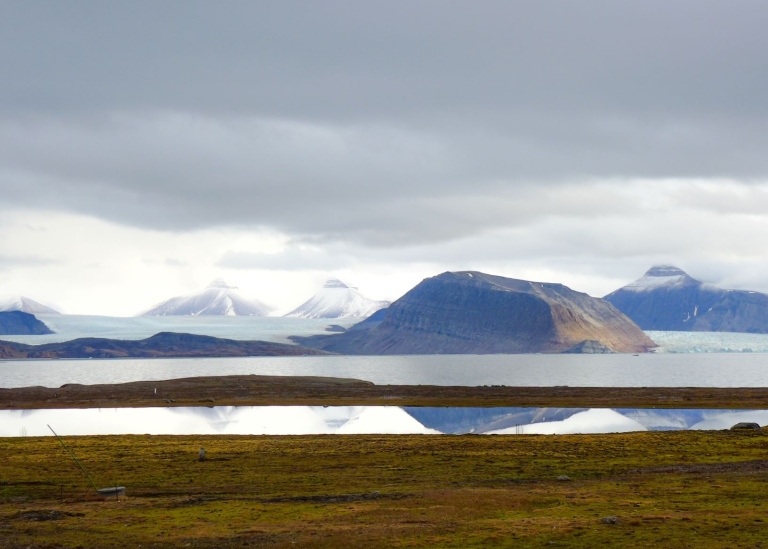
<point x="478" y="313"/>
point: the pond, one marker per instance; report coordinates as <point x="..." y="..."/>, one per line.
<point x="317" y="420"/>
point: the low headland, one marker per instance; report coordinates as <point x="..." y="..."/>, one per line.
<point x="160" y="345"/>
<point x="255" y="390"/>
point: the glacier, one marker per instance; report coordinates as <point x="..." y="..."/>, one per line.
<point x="708" y="342"/>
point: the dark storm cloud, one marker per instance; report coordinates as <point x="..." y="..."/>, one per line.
<point x="353" y="59"/>
<point x="380" y="123"/>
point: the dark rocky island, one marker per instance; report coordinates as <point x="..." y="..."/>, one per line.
<point x="667" y="298"/>
<point x="164" y="344"/>
<point x="472" y="312"/>
<point x="21" y="323"/>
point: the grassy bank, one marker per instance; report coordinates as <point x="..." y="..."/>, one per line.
<point x="251" y="390"/>
<point x="673" y="489"/>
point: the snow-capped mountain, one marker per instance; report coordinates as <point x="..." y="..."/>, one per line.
<point x="25" y="305"/>
<point x="218" y="299"/>
<point x="661" y="276"/>
<point x="338" y="300"/>
<point x="667" y="298"/>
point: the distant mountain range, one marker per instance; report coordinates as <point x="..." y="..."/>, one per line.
<point x="667" y="298"/>
<point x="218" y="299"/>
<point x="164" y="344"/>
<point x="337" y="299"/>
<point x="472" y="312"/>
<point x="25" y="305"/>
<point x="476" y="312"/>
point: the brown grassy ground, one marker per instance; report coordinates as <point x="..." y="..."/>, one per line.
<point x="266" y="390"/>
<point x="672" y="489"/>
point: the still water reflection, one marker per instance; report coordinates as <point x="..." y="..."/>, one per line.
<point x="314" y="420"/>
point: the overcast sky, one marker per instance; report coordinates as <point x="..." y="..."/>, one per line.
<point x="149" y="147"/>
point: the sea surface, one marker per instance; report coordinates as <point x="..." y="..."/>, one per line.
<point x="685" y="359"/>
<point x="645" y="370"/>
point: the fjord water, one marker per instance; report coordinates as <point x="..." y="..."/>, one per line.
<point x="645" y="370"/>
<point x="687" y="359"/>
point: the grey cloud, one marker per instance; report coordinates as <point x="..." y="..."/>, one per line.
<point x="380" y="185"/>
<point x="612" y="249"/>
<point x="13" y="261"/>
<point x="292" y="259"/>
<point x="386" y="125"/>
<point x="399" y="58"/>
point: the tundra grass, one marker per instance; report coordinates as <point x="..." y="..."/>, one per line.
<point x="250" y="390"/>
<point x="668" y="489"/>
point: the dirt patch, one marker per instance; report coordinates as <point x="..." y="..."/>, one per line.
<point x="41" y="515"/>
<point x="741" y="467"/>
<point x="338" y="498"/>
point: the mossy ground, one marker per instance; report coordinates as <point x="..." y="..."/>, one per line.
<point x="670" y="489"/>
<point x="250" y="390"/>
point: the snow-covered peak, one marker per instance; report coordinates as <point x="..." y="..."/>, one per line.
<point x="337" y="299"/>
<point x="660" y="276"/>
<point x="26" y="305"/>
<point x="218" y="299"/>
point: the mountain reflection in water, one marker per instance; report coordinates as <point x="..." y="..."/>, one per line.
<point x="315" y="420"/>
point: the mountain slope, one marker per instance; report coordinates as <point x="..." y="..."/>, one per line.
<point x="21" y="323"/>
<point x="471" y="312"/>
<point x="25" y="305"/>
<point x="217" y="299"/>
<point x="337" y="300"/>
<point x="667" y="298"/>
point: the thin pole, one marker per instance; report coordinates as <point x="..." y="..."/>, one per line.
<point x="71" y="453"/>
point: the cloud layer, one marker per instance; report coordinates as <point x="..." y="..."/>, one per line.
<point x="566" y="140"/>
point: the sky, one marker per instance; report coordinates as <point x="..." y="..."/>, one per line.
<point x="147" y="148"/>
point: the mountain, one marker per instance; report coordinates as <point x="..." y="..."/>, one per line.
<point x="218" y="299"/>
<point x="472" y="312"/>
<point x="337" y="300"/>
<point x="667" y="298"/>
<point x="26" y="305"/>
<point x="164" y="344"/>
<point x="21" y="323"/>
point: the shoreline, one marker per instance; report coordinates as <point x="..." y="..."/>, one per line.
<point x="258" y="390"/>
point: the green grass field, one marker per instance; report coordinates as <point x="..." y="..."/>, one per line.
<point x="666" y="489"/>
